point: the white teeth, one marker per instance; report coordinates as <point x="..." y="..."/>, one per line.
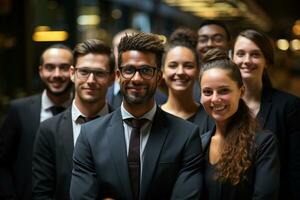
<point x="218" y="108"/>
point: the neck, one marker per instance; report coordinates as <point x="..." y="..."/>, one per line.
<point x="253" y="91"/>
<point x="138" y="110"/>
<point x="220" y="129"/>
<point x="59" y="99"/>
<point x="179" y="106"/>
<point x="90" y="109"/>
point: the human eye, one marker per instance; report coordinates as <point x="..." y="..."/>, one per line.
<point x="207" y="92"/>
<point x="128" y="70"/>
<point x="240" y="53"/>
<point x="172" y="65"/>
<point x="49" y="67"/>
<point x="189" y="65"/>
<point x="223" y="90"/>
<point x="218" y="38"/>
<point x="83" y="71"/>
<point x="202" y="39"/>
<point x="100" y="73"/>
<point x="256" y="54"/>
<point x="146" y="70"/>
<point x="64" y="67"/>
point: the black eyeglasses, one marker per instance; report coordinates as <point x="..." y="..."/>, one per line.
<point x="145" y="71"/>
<point x="84" y="73"/>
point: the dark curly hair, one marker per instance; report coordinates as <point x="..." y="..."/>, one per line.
<point x="239" y="145"/>
<point x="145" y="42"/>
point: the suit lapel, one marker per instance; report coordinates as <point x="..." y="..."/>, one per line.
<point x="265" y="107"/>
<point x="153" y="148"/>
<point x="66" y="135"/>
<point x="117" y="145"/>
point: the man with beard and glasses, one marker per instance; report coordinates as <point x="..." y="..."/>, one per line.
<point x="138" y="151"/>
<point x="92" y="74"/>
<point x="24" y="116"/>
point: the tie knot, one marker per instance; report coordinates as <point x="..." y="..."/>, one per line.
<point x="135" y="123"/>
<point x="81" y="119"/>
<point x="56" y="109"/>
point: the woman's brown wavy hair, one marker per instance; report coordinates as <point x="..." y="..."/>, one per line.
<point x="239" y="145"/>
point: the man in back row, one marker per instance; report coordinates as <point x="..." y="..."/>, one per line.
<point x="23" y="118"/>
<point x="92" y="73"/>
<point x="138" y="151"/>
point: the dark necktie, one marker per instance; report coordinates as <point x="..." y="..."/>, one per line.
<point x="56" y="109"/>
<point x="81" y="119"/>
<point x="134" y="163"/>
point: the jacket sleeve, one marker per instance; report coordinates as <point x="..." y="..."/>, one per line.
<point x="43" y="164"/>
<point x="267" y="173"/>
<point x="189" y="182"/>
<point x="9" y="139"/>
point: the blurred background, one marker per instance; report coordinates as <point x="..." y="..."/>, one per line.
<point x="29" y="26"/>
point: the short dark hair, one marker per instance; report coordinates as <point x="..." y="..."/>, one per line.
<point x="94" y="46"/>
<point x="218" y="23"/>
<point x="145" y="42"/>
<point x="55" y="46"/>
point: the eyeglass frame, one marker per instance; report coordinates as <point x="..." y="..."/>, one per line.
<point x="93" y="71"/>
<point x="212" y="38"/>
<point x="139" y="70"/>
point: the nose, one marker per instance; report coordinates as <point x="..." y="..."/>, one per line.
<point x="179" y="70"/>
<point x="215" y="97"/>
<point x="247" y="58"/>
<point x="91" y="78"/>
<point x="137" y="76"/>
<point x="56" y="72"/>
<point x="209" y="43"/>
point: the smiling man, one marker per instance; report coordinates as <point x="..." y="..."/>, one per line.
<point x="92" y="74"/>
<point x="138" y="151"/>
<point x="23" y="118"/>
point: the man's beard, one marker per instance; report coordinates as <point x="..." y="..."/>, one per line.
<point x="67" y="89"/>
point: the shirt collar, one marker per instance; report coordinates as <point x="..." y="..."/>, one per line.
<point x="148" y="115"/>
<point x="47" y="103"/>
<point x="76" y="112"/>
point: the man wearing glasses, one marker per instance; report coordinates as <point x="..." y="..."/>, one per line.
<point x="19" y="128"/>
<point x="212" y="34"/>
<point x="92" y="74"/>
<point x="138" y="151"/>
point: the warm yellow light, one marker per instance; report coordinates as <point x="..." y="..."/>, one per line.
<point x="282" y="44"/>
<point x="295" y="44"/>
<point x="42" y="28"/>
<point x="296" y="29"/>
<point x="163" y="38"/>
<point x="88" y="20"/>
<point x="50" y="36"/>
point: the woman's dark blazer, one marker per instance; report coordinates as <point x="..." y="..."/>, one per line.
<point x="280" y="113"/>
<point x="203" y="120"/>
<point x="262" y="178"/>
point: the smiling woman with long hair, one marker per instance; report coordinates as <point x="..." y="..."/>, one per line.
<point x="241" y="159"/>
<point x="276" y="110"/>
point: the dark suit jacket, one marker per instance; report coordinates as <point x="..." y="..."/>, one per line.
<point x="280" y="113"/>
<point x="171" y="167"/>
<point x="52" y="158"/>
<point x="203" y="120"/>
<point x="262" y="178"/>
<point x="16" y="143"/>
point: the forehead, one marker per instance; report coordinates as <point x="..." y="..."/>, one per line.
<point x="56" y="55"/>
<point x="180" y="52"/>
<point x="135" y="57"/>
<point x="211" y="29"/>
<point x="245" y="43"/>
<point x="216" y="77"/>
<point x="93" y="60"/>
